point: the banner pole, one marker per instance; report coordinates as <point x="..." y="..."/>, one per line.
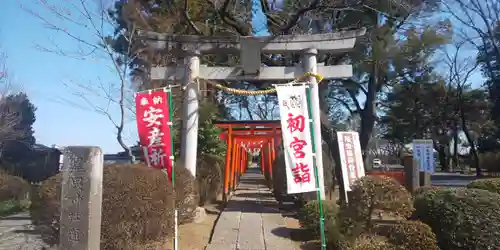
<point x="316" y="172"/>
<point x="172" y="158"/>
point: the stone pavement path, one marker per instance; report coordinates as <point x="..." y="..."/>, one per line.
<point x="251" y="219"/>
<point x="17" y="233"/>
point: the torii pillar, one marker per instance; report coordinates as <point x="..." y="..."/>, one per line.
<point x="249" y="49"/>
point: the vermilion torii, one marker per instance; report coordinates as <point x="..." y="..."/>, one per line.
<point x="242" y="137"/>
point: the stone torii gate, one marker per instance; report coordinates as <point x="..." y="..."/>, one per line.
<point x="250" y="69"/>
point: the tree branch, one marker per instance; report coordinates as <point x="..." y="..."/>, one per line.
<point x="95" y="19"/>
<point x="294" y="18"/>
<point x="188" y="19"/>
<point x="345" y="104"/>
<point x="228" y="19"/>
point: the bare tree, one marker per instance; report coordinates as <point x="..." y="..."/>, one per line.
<point x="90" y="25"/>
<point x="3" y="69"/>
<point x="265" y="107"/>
<point x="476" y="22"/>
<point x="460" y="69"/>
<point x="251" y="107"/>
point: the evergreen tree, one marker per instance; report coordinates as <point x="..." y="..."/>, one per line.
<point x="15" y="149"/>
<point x="489" y="61"/>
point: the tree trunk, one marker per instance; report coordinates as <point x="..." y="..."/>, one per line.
<point x="442" y="159"/>
<point x="473" y="150"/>
<point x="469" y="138"/>
<point x="368" y="116"/>
<point x="119" y="138"/>
<point x="331" y="141"/>
<point x="455" y="146"/>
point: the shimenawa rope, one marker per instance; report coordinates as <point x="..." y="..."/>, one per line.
<point x="265" y="91"/>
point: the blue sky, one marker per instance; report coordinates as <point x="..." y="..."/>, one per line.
<point x="51" y="80"/>
<point x="63" y="118"/>
<point x="41" y="75"/>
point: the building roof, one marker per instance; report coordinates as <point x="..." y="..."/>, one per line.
<point x="41" y="147"/>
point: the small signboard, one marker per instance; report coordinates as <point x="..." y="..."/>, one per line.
<point x="423" y="152"/>
<point x="350" y="157"/>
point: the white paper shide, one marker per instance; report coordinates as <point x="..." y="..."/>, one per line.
<point x="297" y="141"/>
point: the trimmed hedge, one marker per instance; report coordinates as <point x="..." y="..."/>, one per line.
<point x="372" y="195"/>
<point x="13" y="187"/>
<point x="309" y="215"/>
<point x="462" y="219"/>
<point x="412" y="235"/>
<point x="343" y="232"/>
<point x="187" y="198"/>
<point x="371" y="242"/>
<point x="279" y="174"/>
<point x="209" y="175"/>
<point x="137" y="208"/>
<point x="492" y="185"/>
<point x="424" y="189"/>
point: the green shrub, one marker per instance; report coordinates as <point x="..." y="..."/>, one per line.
<point x="412" y="235"/>
<point x="309" y="214"/>
<point x="10" y="207"/>
<point x="210" y="176"/>
<point x="371" y="242"/>
<point x="279" y="174"/>
<point x="13" y="187"/>
<point x="186" y="190"/>
<point x="340" y="237"/>
<point x="424" y="189"/>
<point x="492" y="185"/>
<point x="375" y="195"/>
<point x="461" y="218"/>
<point x="137" y="208"/>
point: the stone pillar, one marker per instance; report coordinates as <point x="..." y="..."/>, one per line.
<point x="189" y="136"/>
<point x="81" y="198"/>
<point x="425" y="179"/>
<point x="310" y="65"/>
<point x="411" y="171"/>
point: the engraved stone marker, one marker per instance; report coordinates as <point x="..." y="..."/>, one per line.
<point x="411" y="168"/>
<point x="81" y="198"/>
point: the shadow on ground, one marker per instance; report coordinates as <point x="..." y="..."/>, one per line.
<point x="312" y="245"/>
<point x="306" y="240"/>
<point x="252" y="206"/>
<point x="255" y="196"/>
<point x="15" y="218"/>
<point x="28" y="231"/>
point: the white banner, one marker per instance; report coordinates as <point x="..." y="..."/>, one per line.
<point x="423" y="152"/>
<point x="351" y="158"/>
<point x="297" y="141"/>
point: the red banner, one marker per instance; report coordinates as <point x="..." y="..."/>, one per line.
<point x="153" y="126"/>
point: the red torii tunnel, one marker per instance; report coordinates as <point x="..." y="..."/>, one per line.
<point x="244" y="138"/>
